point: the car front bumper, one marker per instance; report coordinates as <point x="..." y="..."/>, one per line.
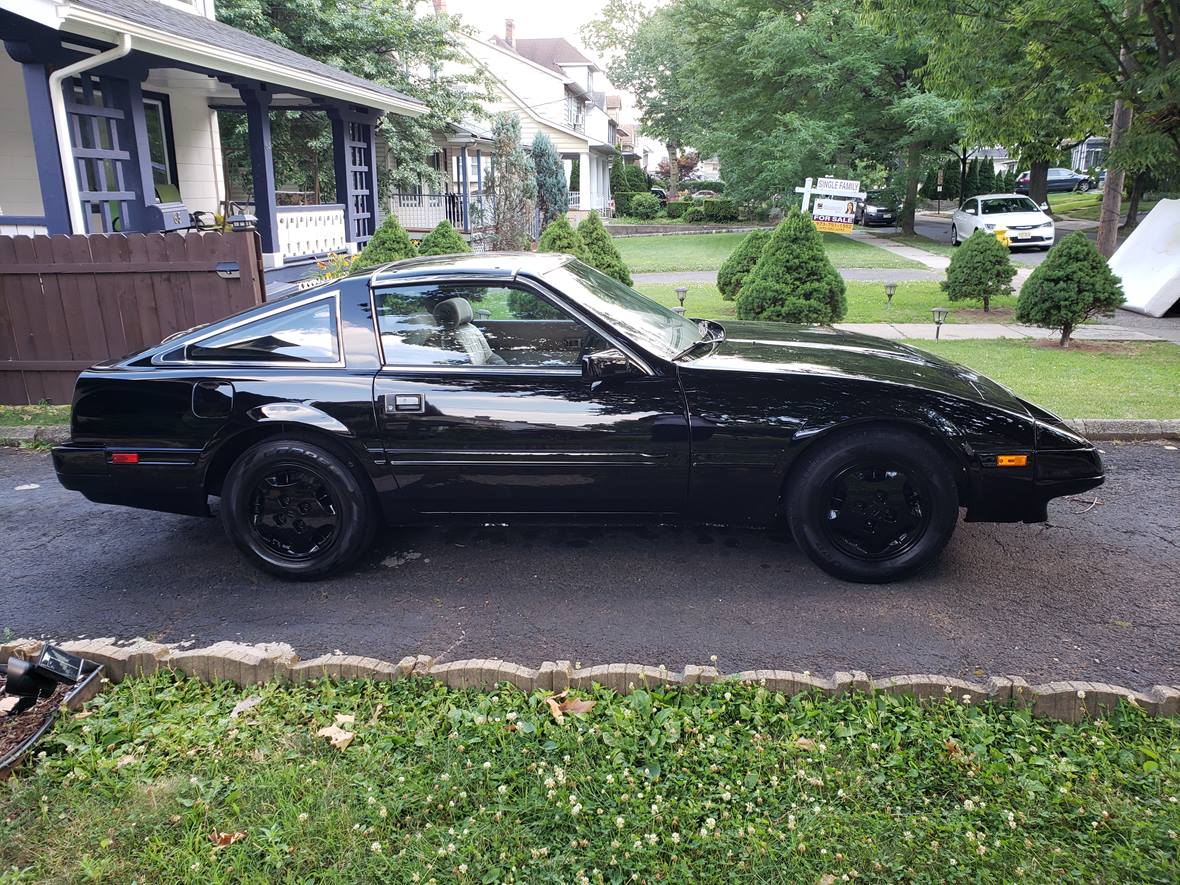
<point x="1006" y="494"/>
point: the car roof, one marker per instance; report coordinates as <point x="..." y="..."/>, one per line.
<point x="997" y="196"/>
<point x="506" y="265"/>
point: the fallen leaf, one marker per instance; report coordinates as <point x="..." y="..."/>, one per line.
<point x="339" y="738"/>
<point x="26" y="487"/>
<point x="804" y="743"/>
<point x="559" y="705"/>
<point x="220" y="840"/>
<point x="126" y="760"/>
<point x="244" y="705"/>
<point x="827" y="879"/>
<point x="344" y="719"/>
<point x="82" y="714"/>
<point x="376" y="714"/>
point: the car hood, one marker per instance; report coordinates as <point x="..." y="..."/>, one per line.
<point x="781" y="348"/>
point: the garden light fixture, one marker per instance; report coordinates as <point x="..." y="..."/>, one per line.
<point x="890" y="288"/>
<point x="681" y="292"/>
<point x="939" y="318"/>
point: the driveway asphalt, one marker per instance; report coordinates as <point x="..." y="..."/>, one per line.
<point x="1092" y="594"/>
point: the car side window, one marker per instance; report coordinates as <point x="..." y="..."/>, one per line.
<point x="466" y="325"/>
<point x="1057" y="173"/>
<point x="304" y="334"/>
<point x="970" y="207"/>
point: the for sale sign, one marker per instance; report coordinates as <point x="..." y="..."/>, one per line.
<point x="835" y="216"/>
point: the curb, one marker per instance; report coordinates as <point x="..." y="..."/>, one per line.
<point x="252" y="664"/>
<point x="1092" y="428"/>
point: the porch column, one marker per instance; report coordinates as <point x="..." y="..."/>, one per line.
<point x="466" y="191"/>
<point x="585" y="170"/>
<point x="49" y="173"/>
<point x="478" y="171"/>
<point x="262" y="170"/>
<point x="127" y="96"/>
<point x="355" y="156"/>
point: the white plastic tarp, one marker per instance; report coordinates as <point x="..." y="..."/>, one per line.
<point x="1148" y="261"/>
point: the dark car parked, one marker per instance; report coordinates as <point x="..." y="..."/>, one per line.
<point x="1057" y="181"/>
<point x="530" y="386"/>
<point x="878" y="208"/>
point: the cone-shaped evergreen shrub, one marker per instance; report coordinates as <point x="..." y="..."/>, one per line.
<point x="389" y="243"/>
<point x="559" y="236"/>
<point x="1072" y="284"/>
<point x="443" y="240"/>
<point x="600" y="249"/>
<point x="793" y="281"/>
<point x="980" y="270"/>
<point x="740" y="262"/>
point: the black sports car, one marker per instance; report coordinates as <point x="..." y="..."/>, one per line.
<point x="530" y="386"/>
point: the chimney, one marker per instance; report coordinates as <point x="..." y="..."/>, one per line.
<point x="440" y="7"/>
<point x="510" y="32"/>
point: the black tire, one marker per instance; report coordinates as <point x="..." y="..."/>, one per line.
<point x="297" y="509"/>
<point x="954" y="236"/>
<point x="872" y="505"/>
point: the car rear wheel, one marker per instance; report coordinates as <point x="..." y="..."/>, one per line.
<point x="954" y="235"/>
<point x="874" y="505"/>
<point x="296" y="509"/>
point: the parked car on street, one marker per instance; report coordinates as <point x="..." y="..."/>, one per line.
<point x="1057" y="181"/>
<point x="878" y="208"/>
<point x="526" y="386"/>
<point x="1026" y="223"/>
<point x="660" y="194"/>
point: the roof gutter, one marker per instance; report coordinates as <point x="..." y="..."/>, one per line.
<point x="61" y="123"/>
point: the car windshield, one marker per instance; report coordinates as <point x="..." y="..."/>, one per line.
<point x="1000" y="205"/>
<point x="660" y="330"/>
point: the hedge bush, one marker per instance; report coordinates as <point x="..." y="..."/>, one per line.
<point x="793" y="281"/>
<point x="694" y="215"/>
<point x="443" y="240"/>
<point x="636" y="179"/>
<point x="677" y="208"/>
<point x="389" y="243"/>
<point x="600" y="249"/>
<point x="644" y="206"/>
<point x="1072" y="284"/>
<point x="718" y="209"/>
<point x="740" y="262"/>
<point x="559" y="236"/>
<point x="623" y="202"/>
<point x="980" y="270"/>
<point x="703" y="185"/>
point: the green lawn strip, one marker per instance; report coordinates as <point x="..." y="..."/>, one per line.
<point x="866" y="303"/>
<point x="717" y="784"/>
<point x="1134" y="379"/>
<point x="12" y="416"/>
<point x="665" y="253"/>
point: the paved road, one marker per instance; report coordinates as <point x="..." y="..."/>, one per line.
<point x="1094" y="594"/>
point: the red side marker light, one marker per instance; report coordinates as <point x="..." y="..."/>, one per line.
<point x="125" y="458"/>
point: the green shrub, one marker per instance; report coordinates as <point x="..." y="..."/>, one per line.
<point x="559" y="236"/>
<point x="980" y="270"/>
<point x="622" y="202"/>
<point x="717" y="209"/>
<point x="703" y="185"/>
<point x="389" y="243"/>
<point x="694" y="215"/>
<point x="1072" y="284"/>
<point x="677" y="208"/>
<point x="644" y="206"/>
<point x="636" y="179"/>
<point x="793" y="281"/>
<point x="443" y="240"/>
<point x="600" y="249"/>
<point x="740" y="262"/>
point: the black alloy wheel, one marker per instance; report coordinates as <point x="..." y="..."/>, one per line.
<point x="298" y="509"/>
<point x="872" y="505"/>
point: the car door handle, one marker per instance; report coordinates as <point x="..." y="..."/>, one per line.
<point x="404" y="404"/>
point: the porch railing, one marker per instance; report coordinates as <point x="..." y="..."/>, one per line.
<point x="421" y="212"/>
<point x="311" y="230"/>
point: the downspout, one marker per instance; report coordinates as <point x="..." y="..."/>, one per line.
<point x="61" y="122"/>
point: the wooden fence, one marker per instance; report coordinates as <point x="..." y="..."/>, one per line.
<point x="68" y="302"/>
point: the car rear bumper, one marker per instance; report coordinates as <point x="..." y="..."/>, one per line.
<point x="168" y="480"/>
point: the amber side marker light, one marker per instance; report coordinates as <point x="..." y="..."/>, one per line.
<point x="1011" y="460"/>
<point x="127" y="458"/>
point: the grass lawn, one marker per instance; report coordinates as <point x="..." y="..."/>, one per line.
<point x="1086" y="206"/>
<point x="720" y="784"/>
<point x="1132" y="379"/>
<point x="675" y="252"/>
<point x="16" y="415"/>
<point x="866" y="303"/>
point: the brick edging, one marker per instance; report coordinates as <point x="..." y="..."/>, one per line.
<point x="243" y="665"/>
<point x="27" y="433"/>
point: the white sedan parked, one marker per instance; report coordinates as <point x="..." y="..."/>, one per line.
<point x="1026" y="223"/>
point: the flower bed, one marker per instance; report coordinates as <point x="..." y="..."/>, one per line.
<point x="18" y="733"/>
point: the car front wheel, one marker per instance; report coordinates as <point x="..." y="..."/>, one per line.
<point x="873" y="506"/>
<point x="954" y="235"/>
<point x="296" y="509"/>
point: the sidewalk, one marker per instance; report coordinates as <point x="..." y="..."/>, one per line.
<point x="860" y="274"/>
<point x="937" y="263"/>
<point x="977" y="331"/>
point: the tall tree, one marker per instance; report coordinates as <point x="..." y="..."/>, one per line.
<point x="512" y="184"/>
<point x="553" y="196"/>
<point x="381" y="40"/>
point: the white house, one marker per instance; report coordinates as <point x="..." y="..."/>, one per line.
<point x="554" y="89"/>
<point x="109" y="111"/>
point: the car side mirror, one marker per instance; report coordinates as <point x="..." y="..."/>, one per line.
<point x="1044" y="207"/>
<point x="609" y="363"/>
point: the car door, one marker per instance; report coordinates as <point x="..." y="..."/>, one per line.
<point x="1058" y="180"/>
<point x="484" y="407"/>
<point x="967" y="218"/>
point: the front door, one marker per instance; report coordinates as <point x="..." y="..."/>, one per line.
<point x="484" y="408"/>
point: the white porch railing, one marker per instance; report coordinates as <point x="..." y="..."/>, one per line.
<point x="421" y="212"/>
<point x="311" y="230"/>
<point x="575" y="200"/>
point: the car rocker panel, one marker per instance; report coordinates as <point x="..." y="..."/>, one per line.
<point x="530" y="386"/>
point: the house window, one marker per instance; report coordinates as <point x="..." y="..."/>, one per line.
<point x="157" y="112"/>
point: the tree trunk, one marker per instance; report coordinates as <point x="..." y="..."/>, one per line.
<point x="1038" y="178"/>
<point x="1066" y="331"/>
<point x="1133" y="204"/>
<point x="962" y="177"/>
<point x="1112" y="192"/>
<point x="673" y="169"/>
<point x="913" y="160"/>
<point x="987" y="304"/>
